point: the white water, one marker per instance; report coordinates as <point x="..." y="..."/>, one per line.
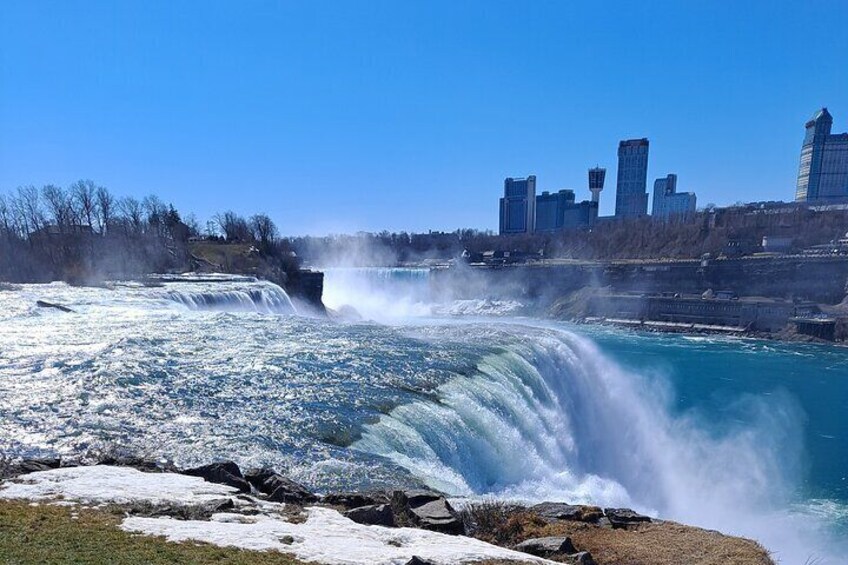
<point x="518" y="411"/>
<point x="397" y="295"/>
<point x="573" y="426"/>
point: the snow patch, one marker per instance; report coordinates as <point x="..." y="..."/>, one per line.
<point x="102" y="484"/>
<point x="326" y="537"/>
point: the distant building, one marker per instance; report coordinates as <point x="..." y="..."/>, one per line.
<point x="580" y="215"/>
<point x="668" y="202"/>
<point x="631" y="197"/>
<point x="518" y="206"/>
<point x="777" y="244"/>
<point x="823" y="171"/>
<point x="550" y="209"/>
<point x="596" y="182"/>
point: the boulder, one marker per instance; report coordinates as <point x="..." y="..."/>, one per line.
<point x="623" y="517"/>
<point x="546" y="547"/>
<point x="582" y="558"/>
<point x="438" y="515"/>
<point x="39" y="464"/>
<point x="222" y="472"/>
<point x="279" y="488"/>
<point x="12" y="470"/>
<point x="43" y="304"/>
<point x="138" y="463"/>
<point x="418" y="561"/>
<point x="414" y="497"/>
<point x="427" y="510"/>
<point x="553" y="511"/>
<point x="352" y="500"/>
<point x="373" y="515"/>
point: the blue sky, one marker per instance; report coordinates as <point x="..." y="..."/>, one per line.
<point x="345" y="116"/>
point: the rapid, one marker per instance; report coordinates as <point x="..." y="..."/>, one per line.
<point x="463" y="396"/>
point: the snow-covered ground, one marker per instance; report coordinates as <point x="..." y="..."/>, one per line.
<point x="326" y="536"/>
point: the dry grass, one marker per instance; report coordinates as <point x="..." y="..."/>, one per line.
<point x="54" y="535"/>
<point x="661" y="543"/>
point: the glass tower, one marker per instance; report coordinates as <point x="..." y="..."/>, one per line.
<point x="631" y="196"/>
<point x="823" y="170"/>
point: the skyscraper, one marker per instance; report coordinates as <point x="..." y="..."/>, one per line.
<point x="668" y="202"/>
<point x="631" y="197"/>
<point x="550" y="209"/>
<point x="823" y="172"/>
<point x="518" y="206"/>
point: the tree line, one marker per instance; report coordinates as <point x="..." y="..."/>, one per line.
<point x="84" y="233"/>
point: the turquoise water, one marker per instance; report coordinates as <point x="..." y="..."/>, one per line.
<point x="719" y="379"/>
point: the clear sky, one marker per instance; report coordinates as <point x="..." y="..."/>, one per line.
<point x="360" y="115"/>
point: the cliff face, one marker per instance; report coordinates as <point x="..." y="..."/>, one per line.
<point x="305" y="286"/>
<point x="308" y="286"/>
<point x="821" y="280"/>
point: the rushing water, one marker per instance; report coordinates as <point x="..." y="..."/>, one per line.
<point x="743" y="436"/>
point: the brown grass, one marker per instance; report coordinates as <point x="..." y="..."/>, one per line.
<point x="658" y="543"/>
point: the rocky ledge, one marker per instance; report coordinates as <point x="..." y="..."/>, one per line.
<point x="261" y="509"/>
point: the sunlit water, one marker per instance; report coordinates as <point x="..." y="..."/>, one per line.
<point x="747" y="437"/>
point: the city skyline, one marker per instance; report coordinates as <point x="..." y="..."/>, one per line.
<point x="309" y="114"/>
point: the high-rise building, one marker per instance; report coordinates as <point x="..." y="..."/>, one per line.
<point x="596" y="182"/>
<point x="823" y="172"/>
<point x="518" y="206"/>
<point x="550" y="209"/>
<point x="631" y="197"/>
<point x="668" y="202"/>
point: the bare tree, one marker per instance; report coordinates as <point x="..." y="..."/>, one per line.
<point x="6" y="220"/>
<point x="28" y="209"/>
<point x="264" y="230"/>
<point x="59" y="205"/>
<point x="133" y="213"/>
<point x="105" y="208"/>
<point x="234" y="227"/>
<point x="84" y="193"/>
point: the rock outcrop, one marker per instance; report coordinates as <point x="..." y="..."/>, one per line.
<point x="373" y="515"/>
<point x="222" y="472"/>
<point x="279" y="488"/>
<point x="547" y="547"/>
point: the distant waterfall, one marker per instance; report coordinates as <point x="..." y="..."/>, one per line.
<point x="263" y="297"/>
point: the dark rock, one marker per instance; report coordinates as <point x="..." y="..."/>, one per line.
<point x="39" y="464"/>
<point x="43" y="304"/>
<point x="546" y="547"/>
<point x="418" y="561"/>
<point x="373" y="515"/>
<point x="623" y="517"/>
<point x="222" y="472"/>
<point x="427" y="510"/>
<point x="11" y="470"/>
<point x="138" y="463"/>
<point x="279" y="488"/>
<point x="552" y="511"/>
<point x="352" y="500"/>
<point x="438" y="515"/>
<point x="582" y="558"/>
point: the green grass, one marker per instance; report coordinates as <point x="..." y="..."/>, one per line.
<point x="68" y="535"/>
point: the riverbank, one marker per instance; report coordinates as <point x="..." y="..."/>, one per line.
<point x="216" y="513"/>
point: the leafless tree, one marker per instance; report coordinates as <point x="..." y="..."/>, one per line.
<point x="105" y="208"/>
<point x="264" y="230"/>
<point x="59" y="205"/>
<point x="28" y="209"/>
<point x="133" y="212"/>
<point x="85" y="195"/>
<point x="234" y="227"/>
